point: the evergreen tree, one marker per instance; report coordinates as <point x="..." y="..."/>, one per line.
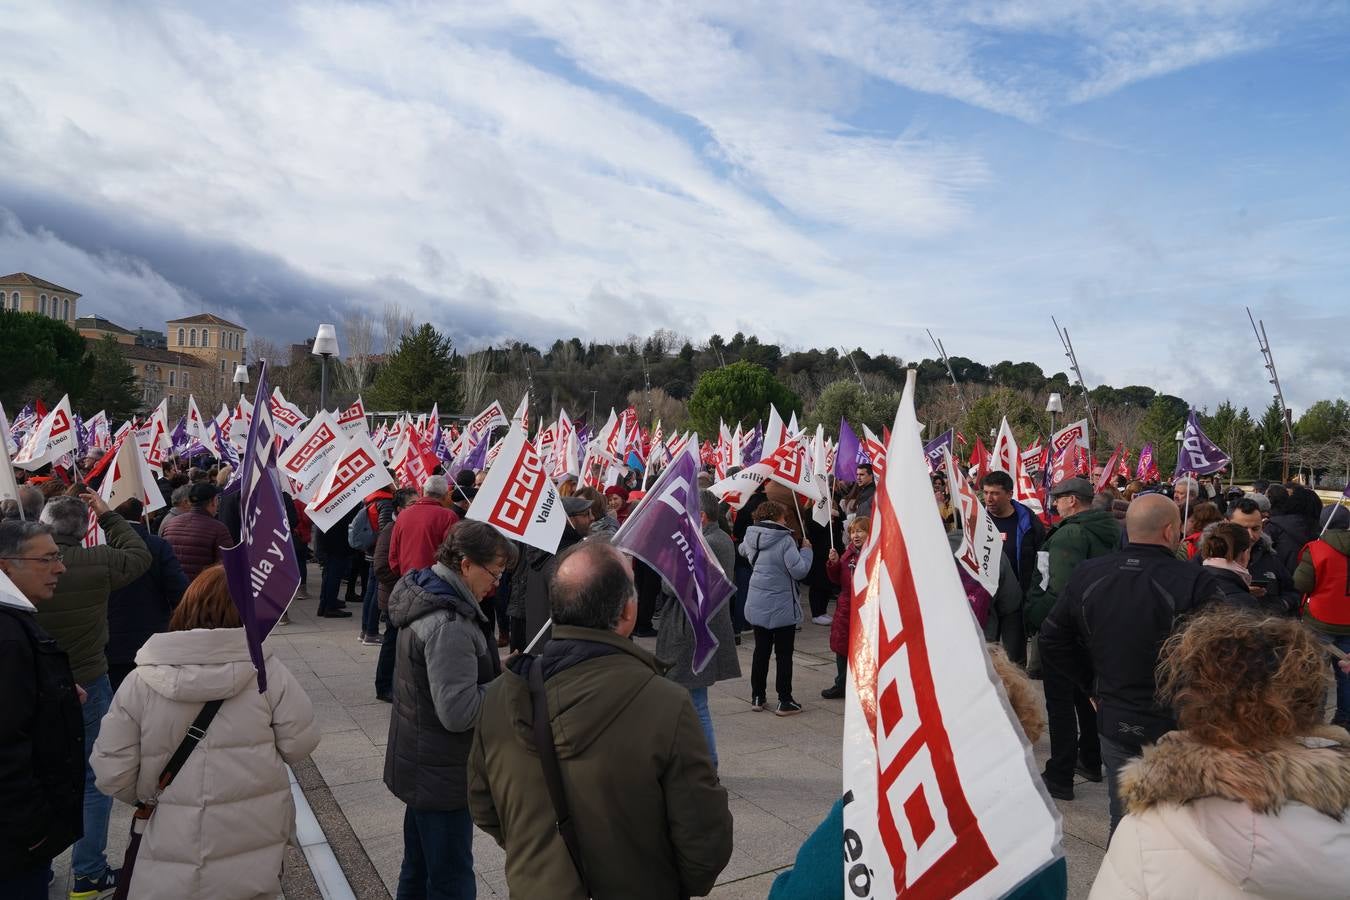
<point x="1165" y="416"/>
<point x="417" y="374"/>
<point x="740" y="392"/>
<point x="112" y="385"/>
<point x="43" y="358"/>
<point x="846" y="399"/>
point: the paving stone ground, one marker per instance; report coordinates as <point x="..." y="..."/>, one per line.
<point x="782" y="773"/>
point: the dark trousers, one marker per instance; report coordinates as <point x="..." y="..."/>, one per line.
<point x="841" y="670"/>
<point x="1115" y="754"/>
<point x="359" y="571"/>
<point x="29" y="885"/>
<point x="370" y="608"/>
<point x="516" y="637"/>
<point x="779" y="642"/>
<point x="334" y="570"/>
<point x="1073" y="728"/>
<point x="384" y="666"/>
<point x="437" y="855"/>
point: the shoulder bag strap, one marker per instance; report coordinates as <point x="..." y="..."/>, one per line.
<point x="196" y="731"/>
<point x="548" y="758"/>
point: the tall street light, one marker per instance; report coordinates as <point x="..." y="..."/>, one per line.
<point x="1054" y="405"/>
<point x="241" y="378"/>
<point x="1181" y="436"/>
<point x="325" y="345"/>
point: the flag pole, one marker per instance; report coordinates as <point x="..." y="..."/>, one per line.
<point x="796" y="504"/>
<point x="538" y="636"/>
<point x="829" y="481"/>
<point x="1332" y="516"/>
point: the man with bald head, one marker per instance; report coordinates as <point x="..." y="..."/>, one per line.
<point x="645" y="813"/>
<point x="1110" y="621"/>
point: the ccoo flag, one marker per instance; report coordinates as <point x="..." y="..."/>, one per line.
<point x="518" y="498"/>
<point x="1199" y="455"/>
<point x="942" y="797"/>
<point x="261" y="569"/>
<point x="665" y="533"/>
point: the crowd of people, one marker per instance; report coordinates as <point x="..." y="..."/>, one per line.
<point x="1186" y="638"/>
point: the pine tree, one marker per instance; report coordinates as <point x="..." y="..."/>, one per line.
<point x="417" y="374"/>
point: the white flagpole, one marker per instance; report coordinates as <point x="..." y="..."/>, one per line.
<point x="1329" y="518"/>
<point x="540" y="635"/>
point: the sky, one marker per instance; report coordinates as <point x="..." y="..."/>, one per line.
<point x="813" y="173"/>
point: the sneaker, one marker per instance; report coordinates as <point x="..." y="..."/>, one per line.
<point x="787" y="708"/>
<point x="335" y="614"/>
<point x="1091" y="773"/>
<point x="823" y="620"/>
<point x="372" y="640"/>
<point x="833" y="692"/>
<point x="757" y="704"/>
<point x="285" y="619"/>
<point x="95" y="888"/>
<point x="1057" y="790"/>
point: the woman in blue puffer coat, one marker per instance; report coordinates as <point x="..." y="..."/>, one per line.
<point x="771" y="605"/>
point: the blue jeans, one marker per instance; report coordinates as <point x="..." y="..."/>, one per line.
<point x="370" y="607"/>
<point x="87" y="859"/>
<point x="334" y="571"/>
<point x="700" y="698"/>
<point x="1342" y="716"/>
<point x="30" y="885"/>
<point x="437" y="855"/>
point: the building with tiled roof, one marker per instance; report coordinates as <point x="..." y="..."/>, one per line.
<point x="97" y="327"/>
<point x="22" y="292"/>
<point x="218" y="343"/>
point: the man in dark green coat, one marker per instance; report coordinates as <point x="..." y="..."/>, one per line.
<point x="651" y="817"/>
<point x="1081" y="534"/>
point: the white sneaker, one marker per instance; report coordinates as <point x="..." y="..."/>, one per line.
<point x="823" y="620"/>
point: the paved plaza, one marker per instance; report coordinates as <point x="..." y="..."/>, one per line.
<point x="782" y="774"/>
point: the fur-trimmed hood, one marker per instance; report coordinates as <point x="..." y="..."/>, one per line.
<point x="1220" y="824"/>
<point x="1314" y="771"/>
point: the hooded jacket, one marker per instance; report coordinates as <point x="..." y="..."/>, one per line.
<point x="77" y="614"/>
<point x="652" y="818"/>
<point x="1082" y="536"/>
<point x="442" y="670"/>
<point x="222" y="826"/>
<point x="41" y="745"/>
<point x="1208" y="822"/>
<point x="1028" y="540"/>
<point x="779" y="564"/>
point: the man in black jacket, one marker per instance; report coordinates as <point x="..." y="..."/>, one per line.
<point x="143" y="607"/>
<point x="1110" y="622"/>
<point x="41" y="740"/>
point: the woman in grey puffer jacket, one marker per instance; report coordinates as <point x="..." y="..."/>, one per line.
<point x="771" y="605"/>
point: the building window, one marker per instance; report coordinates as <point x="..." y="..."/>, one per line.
<point x="192" y="337"/>
<point x="171" y="379"/>
<point x="14" y="301"/>
<point x="42" y="307"/>
<point x="65" y="310"/>
<point x="180" y="337"/>
<point x="222" y="366"/>
<point x="206" y="337"/>
<point x="187" y="381"/>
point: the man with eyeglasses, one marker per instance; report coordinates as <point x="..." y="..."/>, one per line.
<point x="42" y="757"/>
<point x="77" y="617"/>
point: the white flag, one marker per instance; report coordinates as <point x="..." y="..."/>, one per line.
<point x="311" y="454"/>
<point x="981" y="543"/>
<point x="9" y="487"/>
<point x="353" y="418"/>
<point x="518" y="498"/>
<point x="788" y="465"/>
<point x="942" y="795"/>
<point x="485" y="421"/>
<point x="357" y="471"/>
<point x="1004" y="456"/>
<point x="1073" y="433"/>
<point x="287" y="418"/>
<point x="128" y="477"/>
<point x="820" y="473"/>
<point x="774" y="433"/>
<point x="566" y="451"/>
<point x="53" y="438"/>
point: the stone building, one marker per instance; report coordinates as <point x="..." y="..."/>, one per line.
<point x="22" y="292"/>
<point x="219" y="344"/>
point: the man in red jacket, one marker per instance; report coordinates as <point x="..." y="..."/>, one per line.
<point x="420" y="528"/>
<point x="197" y="536"/>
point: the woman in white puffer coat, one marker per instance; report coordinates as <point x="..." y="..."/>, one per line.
<point x="221" y="828"/>
<point x="1250" y="798"/>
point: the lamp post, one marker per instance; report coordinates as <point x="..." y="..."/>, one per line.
<point x="241" y="378"/>
<point x="1181" y="436"/>
<point x="1054" y="405"/>
<point x="325" y="345"/>
<point x="1260" y="460"/>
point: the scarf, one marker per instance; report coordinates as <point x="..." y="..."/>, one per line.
<point x="1232" y="566"/>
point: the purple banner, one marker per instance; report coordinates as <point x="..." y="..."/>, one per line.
<point x="664" y="532"/>
<point x="753" y="450"/>
<point x="846" y="458"/>
<point x="1199" y="455"/>
<point x="261" y="570"/>
<point x="935" y="448"/>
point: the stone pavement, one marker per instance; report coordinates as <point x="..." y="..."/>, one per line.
<point x="782" y="774"/>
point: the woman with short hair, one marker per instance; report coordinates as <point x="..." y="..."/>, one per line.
<point x="442" y="667"/>
<point x="220" y="829"/>
<point x="1250" y="797"/>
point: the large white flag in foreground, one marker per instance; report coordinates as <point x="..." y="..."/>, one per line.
<point x="517" y="497"/>
<point x="941" y="793"/>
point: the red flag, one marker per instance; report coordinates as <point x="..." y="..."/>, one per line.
<point x="979" y="460"/>
<point x="1108" y="470"/>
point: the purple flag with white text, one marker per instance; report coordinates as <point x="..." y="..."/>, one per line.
<point x="936" y="450"/>
<point x="665" y="533"/>
<point x="846" y="457"/>
<point x="261" y="569"/>
<point x="1199" y="455"/>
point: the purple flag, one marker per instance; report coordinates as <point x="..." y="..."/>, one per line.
<point x="846" y="457"/>
<point x="753" y="451"/>
<point x="1199" y="455"/>
<point x="261" y="569"/>
<point x="81" y="436"/>
<point x="664" y="533"/>
<point x="934" y="449"/>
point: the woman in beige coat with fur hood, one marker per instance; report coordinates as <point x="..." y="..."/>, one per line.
<point x="1250" y="798"/>
<point x="221" y="828"/>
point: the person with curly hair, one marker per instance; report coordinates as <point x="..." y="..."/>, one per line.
<point x="1249" y="797"/>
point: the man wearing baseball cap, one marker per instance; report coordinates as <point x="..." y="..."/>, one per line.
<point x="1081" y="534"/>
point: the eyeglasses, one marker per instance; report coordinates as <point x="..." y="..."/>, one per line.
<point x="50" y="559"/>
<point x="496" y="576"/>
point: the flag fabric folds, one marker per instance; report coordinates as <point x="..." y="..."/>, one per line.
<point x="942" y="795"/>
<point x="664" y="531"/>
<point x="1199" y="455"/>
<point x="357" y="471"/>
<point x="261" y="569"/>
<point x="846" y="457"/>
<point x="518" y="498"/>
<point x="51" y="439"/>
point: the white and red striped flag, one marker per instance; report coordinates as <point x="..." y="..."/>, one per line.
<point x="941" y="792"/>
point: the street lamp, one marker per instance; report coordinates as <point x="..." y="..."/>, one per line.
<point x="1054" y="405"/>
<point x="1181" y="436"/>
<point x="325" y="345"/>
<point x="241" y="378"/>
<point x="1260" y="460"/>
